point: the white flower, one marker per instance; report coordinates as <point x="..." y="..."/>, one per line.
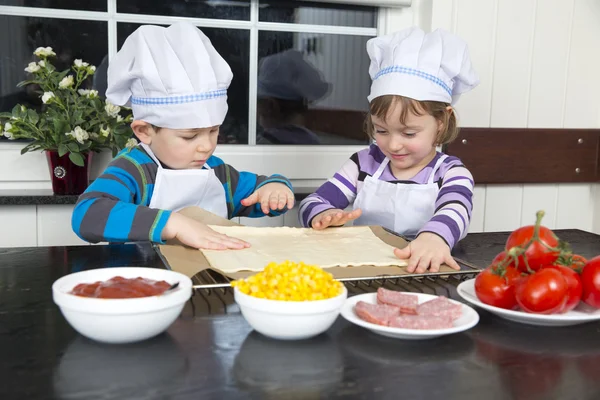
<point x="91" y="70"/>
<point x="9" y="135"/>
<point x="47" y="96"/>
<point x="42" y="64"/>
<point x="66" y="82"/>
<point x="32" y="67"/>
<point x="131" y="143"/>
<point x="111" y="109"/>
<point x="88" y="93"/>
<point x="105" y="132"/>
<point x="119" y="118"/>
<point x="23" y="109"/>
<point x="7" y="128"/>
<point x="79" y="63"/>
<point x="79" y="134"/>
<point x="44" y="52"/>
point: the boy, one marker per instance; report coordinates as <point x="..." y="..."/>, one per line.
<point x="176" y="83"/>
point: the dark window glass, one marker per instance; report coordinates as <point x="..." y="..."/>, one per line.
<point x="86" y="5"/>
<point x="234" y="47"/>
<point x="20" y="36"/>
<point x="304" y="12"/>
<point x="216" y="9"/>
<point x="312" y="88"/>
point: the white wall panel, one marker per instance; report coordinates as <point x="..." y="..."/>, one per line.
<point x="18" y="226"/>
<point x="575" y="206"/>
<point x="475" y="21"/>
<point x="582" y="102"/>
<point x="54" y="226"/>
<point x="478" y="215"/>
<point x="536" y="198"/>
<point x="503" y="207"/>
<point x="512" y="63"/>
<point x="549" y="63"/>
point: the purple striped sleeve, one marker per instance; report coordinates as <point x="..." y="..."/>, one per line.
<point x="338" y="192"/>
<point x="454" y="205"/>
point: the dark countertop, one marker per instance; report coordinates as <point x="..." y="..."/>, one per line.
<point x="216" y="356"/>
<point x="25" y="197"/>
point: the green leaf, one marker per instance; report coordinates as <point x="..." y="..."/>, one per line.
<point x="76" y="158"/>
<point x="73" y="147"/>
<point x="85" y="146"/>
<point x="62" y="75"/>
<point x="60" y="126"/>
<point x="62" y="149"/>
<point x="32" y="117"/>
<point x="25" y="83"/>
<point x="26" y="149"/>
<point x="6" y="115"/>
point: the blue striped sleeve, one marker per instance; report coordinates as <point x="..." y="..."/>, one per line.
<point x="114" y="208"/>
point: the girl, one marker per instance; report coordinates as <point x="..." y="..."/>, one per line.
<point x="401" y="182"/>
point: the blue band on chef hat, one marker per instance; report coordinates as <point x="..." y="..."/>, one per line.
<point x="415" y="72"/>
<point x="188" y="98"/>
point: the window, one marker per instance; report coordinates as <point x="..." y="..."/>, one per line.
<point x="321" y="99"/>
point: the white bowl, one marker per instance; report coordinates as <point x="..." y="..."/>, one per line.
<point x="121" y="320"/>
<point x="290" y="320"/>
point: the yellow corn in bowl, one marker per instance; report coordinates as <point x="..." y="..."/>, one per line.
<point x="290" y="301"/>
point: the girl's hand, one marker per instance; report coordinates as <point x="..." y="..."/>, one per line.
<point x="427" y="251"/>
<point x="334" y="217"/>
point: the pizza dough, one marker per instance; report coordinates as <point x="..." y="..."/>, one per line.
<point x="332" y="247"/>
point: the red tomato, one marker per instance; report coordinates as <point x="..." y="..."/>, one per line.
<point x="540" y="249"/>
<point x="590" y="278"/>
<point x="499" y="258"/>
<point x="573" y="261"/>
<point x="575" y="287"/>
<point x="578" y="260"/>
<point x="496" y="286"/>
<point x="544" y="292"/>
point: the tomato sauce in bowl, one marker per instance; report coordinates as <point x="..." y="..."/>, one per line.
<point x="121" y="288"/>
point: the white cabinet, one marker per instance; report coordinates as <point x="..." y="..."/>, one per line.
<point x="18" y="226"/>
<point x="54" y="226"/>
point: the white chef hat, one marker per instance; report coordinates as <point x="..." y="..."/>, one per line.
<point x="172" y="77"/>
<point x="288" y="76"/>
<point x="435" y="66"/>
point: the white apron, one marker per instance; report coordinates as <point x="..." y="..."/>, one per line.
<point x="175" y="189"/>
<point x="401" y="207"/>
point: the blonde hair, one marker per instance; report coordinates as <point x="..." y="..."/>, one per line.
<point x="380" y="107"/>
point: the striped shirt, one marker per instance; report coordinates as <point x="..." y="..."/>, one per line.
<point x="453" y="206"/>
<point x="115" y="207"/>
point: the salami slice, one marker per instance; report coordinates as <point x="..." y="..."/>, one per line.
<point x="406" y="302"/>
<point x="421" y="322"/>
<point x="440" y="307"/>
<point x="379" y="314"/>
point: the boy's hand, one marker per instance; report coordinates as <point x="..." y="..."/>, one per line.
<point x="427" y="251"/>
<point x="198" y="235"/>
<point x="334" y="217"/>
<point x="272" y="196"/>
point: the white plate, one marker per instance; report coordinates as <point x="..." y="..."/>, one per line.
<point x="580" y="315"/>
<point x="468" y="319"/>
